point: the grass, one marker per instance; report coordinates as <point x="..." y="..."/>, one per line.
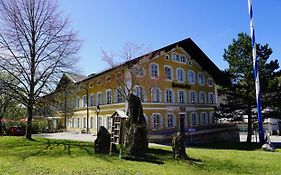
<point x="43" y="156"/>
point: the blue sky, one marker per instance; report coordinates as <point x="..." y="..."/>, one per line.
<point x="212" y="25"/>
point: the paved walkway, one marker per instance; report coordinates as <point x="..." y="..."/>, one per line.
<point x="67" y="136"/>
<point x="73" y="136"/>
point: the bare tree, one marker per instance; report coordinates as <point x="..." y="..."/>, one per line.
<point x="136" y="69"/>
<point x="36" y="47"/>
<point x="135" y="73"/>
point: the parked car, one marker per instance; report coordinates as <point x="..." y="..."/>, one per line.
<point x="16" y="131"/>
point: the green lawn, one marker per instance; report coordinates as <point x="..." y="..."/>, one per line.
<point x="19" y="156"/>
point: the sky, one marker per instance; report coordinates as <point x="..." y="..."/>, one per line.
<point x="211" y="24"/>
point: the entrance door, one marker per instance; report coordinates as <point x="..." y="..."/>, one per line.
<point x="182" y="124"/>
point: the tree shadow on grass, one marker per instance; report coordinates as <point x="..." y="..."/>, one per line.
<point x="58" y="148"/>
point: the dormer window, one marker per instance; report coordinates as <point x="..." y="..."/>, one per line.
<point x="108" y="79"/>
<point x="91" y="85"/>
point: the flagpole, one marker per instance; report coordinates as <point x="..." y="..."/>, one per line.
<point x="256" y="73"/>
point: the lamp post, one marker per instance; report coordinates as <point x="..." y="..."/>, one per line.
<point x="98" y="110"/>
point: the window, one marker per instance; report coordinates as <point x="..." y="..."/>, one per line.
<point x="91" y="100"/>
<point x="179" y="58"/>
<point x="91" y="85"/>
<point x="192" y="96"/>
<point x="78" y="122"/>
<point x="167" y="57"/>
<point x="108" y="122"/>
<point x="72" y="122"/>
<point x="170" y="120"/>
<point x="138" y="70"/>
<point x="168" y="73"/>
<point x="202" y="97"/>
<point x="201" y="78"/>
<point x="99" y="98"/>
<point x="119" y="97"/>
<point x="212" y="118"/>
<point x="156" y="121"/>
<point x="91" y="122"/>
<point x="154" y="70"/>
<point x="203" y="116"/>
<point x="210" y="82"/>
<point x="211" y="99"/>
<point x="84" y="122"/>
<point x="183" y="59"/>
<point x="156" y="96"/>
<point x="191" y="77"/>
<point x="176" y="57"/>
<point x="108" y="79"/>
<point x="99" y="122"/>
<point x="108" y="96"/>
<point x="99" y="82"/>
<point x="180" y="74"/>
<point x="169" y="96"/>
<point x="193" y="118"/>
<point x="77" y="102"/>
<point x="181" y="96"/>
<point x="138" y="92"/>
<point x="84" y="101"/>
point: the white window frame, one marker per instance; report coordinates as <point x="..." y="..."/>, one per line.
<point x="179" y="96"/>
<point x="100" y="122"/>
<point x="211" y="100"/>
<point x="202" y="97"/>
<point x="178" y="76"/>
<point x="108" y="122"/>
<point x="190" y="97"/>
<point x="138" y="70"/>
<point x="84" y="122"/>
<point x="78" y="122"/>
<point x="119" y="97"/>
<point x="193" y="121"/>
<point x="154" y="73"/>
<point x="189" y="73"/>
<point x="169" y="122"/>
<point x="171" y="71"/>
<point x="91" y="100"/>
<point x="78" y="102"/>
<point x="92" y="122"/>
<point x="171" y="98"/>
<point x="201" y="78"/>
<point x="91" y="85"/>
<point x="138" y="91"/>
<point x="108" y="96"/>
<point x="153" y="95"/>
<point x="210" y="82"/>
<point x="204" y="118"/>
<point x="99" y="98"/>
<point x="212" y="120"/>
<point x="156" y="126"/>
<point x="73" y="122"/>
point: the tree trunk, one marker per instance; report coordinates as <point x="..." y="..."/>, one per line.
<point x="1" y="128"/>
<point x="29" y="122"/>
<point x="249" y="136"/>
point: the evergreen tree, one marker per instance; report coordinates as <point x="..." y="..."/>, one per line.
<point x="239" y="95"/>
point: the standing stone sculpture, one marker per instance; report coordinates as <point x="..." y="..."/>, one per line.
<point x="178" y="146"/>
<point x="102" y="142"/>
<point x="136" y="142"/>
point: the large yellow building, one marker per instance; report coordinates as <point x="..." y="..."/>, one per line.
<point x="177" y="85"/>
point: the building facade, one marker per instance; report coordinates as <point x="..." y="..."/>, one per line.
<point x="177" y="86"/>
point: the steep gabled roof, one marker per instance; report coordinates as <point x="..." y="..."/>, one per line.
<point x="75" y="78"/>
<point x="191" y="48"/>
